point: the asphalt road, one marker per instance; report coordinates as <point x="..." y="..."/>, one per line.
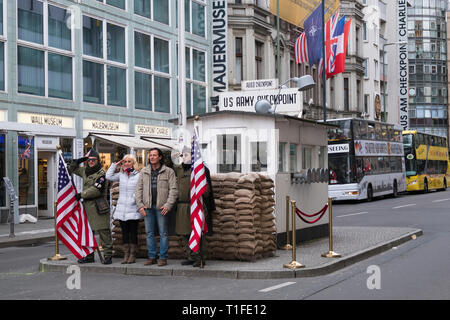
<point x="417" y="269"/>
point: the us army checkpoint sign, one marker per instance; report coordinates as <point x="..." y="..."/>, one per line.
<point x="287" y="101"/>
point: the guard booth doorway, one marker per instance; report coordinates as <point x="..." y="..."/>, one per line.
<point x="47" y="183"/>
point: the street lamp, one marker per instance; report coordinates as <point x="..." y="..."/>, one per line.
<point x="303" y="83"/>
<point x="384" y="77"/>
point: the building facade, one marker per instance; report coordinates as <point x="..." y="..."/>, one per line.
<point x="76" y="73"/>
<point x="428" y="79"/>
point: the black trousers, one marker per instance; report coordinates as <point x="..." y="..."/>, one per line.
<point x="129" y="231"/>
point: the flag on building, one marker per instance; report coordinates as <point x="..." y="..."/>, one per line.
<point x="301" y="49"/>
<point x="314" y="35"/>
<point x="331" y="40"/>
<point x="198" y="187"/>
<point x="338" y="48"/>
<point x="71" y="222"/>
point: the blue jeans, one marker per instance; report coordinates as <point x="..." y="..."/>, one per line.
<point x="154" y="215"/>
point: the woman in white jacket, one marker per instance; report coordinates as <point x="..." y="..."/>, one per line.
<point x="126" y="211"/>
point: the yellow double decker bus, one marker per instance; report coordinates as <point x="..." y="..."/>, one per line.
<point x="426" y="160"/>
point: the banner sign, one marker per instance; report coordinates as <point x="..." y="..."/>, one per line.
<point x="402" y="29"/>
<point x="219" y="46"/>
<point x="378" y="148"/>
<point x="285" y="100"/>
<point x="259" y="84"/>
<point x="338" y="148"/>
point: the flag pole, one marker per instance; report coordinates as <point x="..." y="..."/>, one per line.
<point x="57" y="256"/>
<point x="324" y="89"/>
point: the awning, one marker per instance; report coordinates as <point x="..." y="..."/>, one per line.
<point x="161" y="143"/>
<point x="131" y="141"/>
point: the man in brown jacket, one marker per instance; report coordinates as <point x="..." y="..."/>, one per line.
<point x="156" y="194"/>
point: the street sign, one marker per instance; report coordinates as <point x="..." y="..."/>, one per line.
<point x="259" y="84"/>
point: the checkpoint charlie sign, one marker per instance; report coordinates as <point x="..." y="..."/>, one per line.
<point x="285" y="100"/>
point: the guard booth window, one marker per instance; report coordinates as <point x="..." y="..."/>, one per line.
<point x="229" y="153"/>
<point x="2" y="170"/>
<point x="258" y="156"/>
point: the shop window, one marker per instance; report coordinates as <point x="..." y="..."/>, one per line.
<point x="66" y="148"/>
<point x="258" y="156"/>
<point x="30" y="24"/>
<point x="26" y="170"/>
<point x="229" y="153"/>
<point x="2" y="170"/>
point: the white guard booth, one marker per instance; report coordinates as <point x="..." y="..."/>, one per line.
<point x="290" y="150"/>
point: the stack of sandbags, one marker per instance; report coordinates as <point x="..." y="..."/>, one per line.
<point x="268" y="227"/>
<point x="114" y="191"/>
<point x="241" y="230"/>
<point x="176" y="248"/>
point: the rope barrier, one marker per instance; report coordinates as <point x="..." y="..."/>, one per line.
<point x="321" y="212"/>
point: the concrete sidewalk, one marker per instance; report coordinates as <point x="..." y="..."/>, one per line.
<point x="353" y="243"/>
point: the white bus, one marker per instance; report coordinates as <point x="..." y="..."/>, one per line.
<point x="365" y="159"/>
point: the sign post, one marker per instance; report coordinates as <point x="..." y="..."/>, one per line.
<point x="13" y="206"/>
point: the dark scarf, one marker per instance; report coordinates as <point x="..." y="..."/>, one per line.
<point x="129" y="170"/>
<point x="186" y="166"/>
<point x="94" y="169"/>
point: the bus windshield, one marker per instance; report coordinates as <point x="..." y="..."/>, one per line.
<point x="341" y="133"/>
<point x="340" y="169"/>
<point x="408" y="140"/>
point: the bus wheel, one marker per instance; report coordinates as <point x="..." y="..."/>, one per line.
<point x="395" y="190"/>
<point x="369" y="193"/>
<point x="425" y="186"/>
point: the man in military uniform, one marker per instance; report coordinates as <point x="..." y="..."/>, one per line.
<point x="94" y="187"/>
<point x="183" y="217"/>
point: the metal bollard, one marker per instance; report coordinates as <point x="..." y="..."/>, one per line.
<point x="330" y="253"/>
<point x="294" y="264"/>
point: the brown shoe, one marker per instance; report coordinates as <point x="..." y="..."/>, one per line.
<point x="132" y="257"/>
<point x="162" y="262"/>
<point x="126" y="253"/>
<point x="149" y="262"/>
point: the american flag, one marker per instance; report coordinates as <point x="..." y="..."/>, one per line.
<point x="71" y="222"/>
<point x="198" y="187"/>
<point x="301" y="49"/>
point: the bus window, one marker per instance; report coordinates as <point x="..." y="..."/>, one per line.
<point x="363" y="129"/>
<point x="384" y="133"/>
<point x="356" y="129"/>
<point x="371" y="131"/>
<point x="378" y="131"/>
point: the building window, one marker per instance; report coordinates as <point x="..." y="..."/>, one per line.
<point x="44" y="51"/>
<point x="282" y="157"/>
<point x="151" y="73"/>
<point x="116" y="3"/>
<point x="366" y="68"/>
<point x="292" y="157"/>
<point x="239" y="60"/>
<point x="143" y="8"/>
<point x="346" y="95"/>
<point x="259" y="58"/>
<point x="161" y="11"/>
<point x="104" y="70"/>
<point x="322" y="154"/>
<point x="366" y="103"/>
<point x="306" y="157"/>
<point x="258" y="156"/>
<point x="198" y="18"/>
<point x="26" y="170"/>
<point x="196" y="81"/>
<point x="2" y="169"/>
<point x="229" y="153"/>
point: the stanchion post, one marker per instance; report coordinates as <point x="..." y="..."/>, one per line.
<point x="288" y="205"/>
<point x="294" y="264"/>
<point x="330" y="253"/>
<point x="57" y="256"/>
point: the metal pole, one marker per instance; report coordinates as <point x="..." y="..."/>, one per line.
<point x="294" y="264"/>
<point x="57" y="256"/>
<point x="181" y="65"/>
<point x="278" y="43"/>
<point x="324" y="90"/>
<point x="11" y="221"/>
<point x="287" y="246"/>
<point x="330" y="253"/>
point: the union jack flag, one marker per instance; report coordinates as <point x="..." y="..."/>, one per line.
<point x="71" y="222"/>
<point x="331" y="42"/>
<point x="198" y="187"/>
